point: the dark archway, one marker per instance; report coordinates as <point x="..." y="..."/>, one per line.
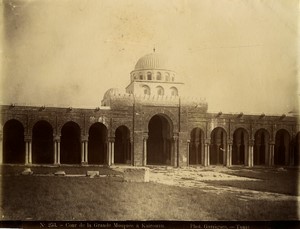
<point x="97" y="145"/>
<point x="70" y="144"/>
<point x="196" y="150"/>
<point x="159" y="144"/>
<point x="13" y="142"/>
<point x="42" y="143"/>
<point x="122" y="146"/>
<point x="297" y="149"/>
<point x="218" y="146"/>
<point x="240" y="147"/>
<point x="281" y="149"/>
<point x="261" y="147"/>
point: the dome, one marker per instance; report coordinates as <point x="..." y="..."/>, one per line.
<point x="112" y="91"/>
<point x="152" y="61"/>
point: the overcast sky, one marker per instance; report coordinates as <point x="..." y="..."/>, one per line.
<point x="238" y="54"/>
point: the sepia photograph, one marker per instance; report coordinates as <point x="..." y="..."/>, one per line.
<point x="149" y="114"/>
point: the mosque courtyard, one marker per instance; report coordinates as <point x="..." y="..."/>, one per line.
<point x="193" y="193"/>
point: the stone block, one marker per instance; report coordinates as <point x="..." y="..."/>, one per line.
<point x="136" y="174"/>
<point x="27" y="171"/>
<point x="60" y="173"/>
<point x="92" y="173"/>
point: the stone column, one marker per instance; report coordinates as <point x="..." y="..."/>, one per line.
<point x="113" y="152"/>
<point x="82" y="152"/>
<point x="145" y="149"/>
<point x="108" y="153"/>
<point x="188" y="152"/>
<point x="28" y="151"/>
<point x="229" y="154"/>
<point x="58" y="151"/>
<point x="206" y="152"/>
<point x="250" y="153"/>
<point x="86" y="151"/>
<point x="131" y="152"/>
<point x="175" y="151"/>
<point x="56" y="144"/>
<point x="271" y="154"/>
<point x="1" y="149"/>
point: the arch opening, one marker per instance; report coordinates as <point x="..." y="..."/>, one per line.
<point x="97" y="146"/>
<point x="122" y="146"/>
<point x="261" y="147"/>
<point x="13" y="142"/>
<point x="218" y="146"/>
<point x="159" y="144"/>
<point x="196" y="151"/>
<point x="42" y="143"/>
<point x="240" y="147"/>
<point x="70" y="144"/>
<point x="281" y="148"/>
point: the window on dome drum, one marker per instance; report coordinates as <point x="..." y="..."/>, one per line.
<point x="158" y="76"/>
<point x="167" y="77"/>
<point x="149" y="76"/>
<point x="160" y="90"/>
<point x="172" y="78"/>
<point x="174" y="91"/>
<point x="146" y="90"/>
<point x="141" y="76"/>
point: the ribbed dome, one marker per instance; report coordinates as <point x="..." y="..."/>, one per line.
<point x="152" y="61"/>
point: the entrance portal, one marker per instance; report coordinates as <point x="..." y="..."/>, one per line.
<point x="159" y="144"/>
<point x="13" y="142"/>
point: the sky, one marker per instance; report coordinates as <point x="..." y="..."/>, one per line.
<point x="241" y="55"/>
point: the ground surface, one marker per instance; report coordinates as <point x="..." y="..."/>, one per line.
<point x="214" y="193"/>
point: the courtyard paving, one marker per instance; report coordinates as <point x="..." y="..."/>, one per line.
<point x="196" y="177"/>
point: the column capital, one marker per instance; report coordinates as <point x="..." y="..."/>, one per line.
<point x="188" y="141"/>
<point x="145" y="135"/>
<point x="84" y="138"/>
<point x="207" y="141"/>
<point x="111" y="139"/>
<point x="251" y="142"/>
<point x="175" y="137"/>
<point x="27" y="138"/>
<point x="271" y="143"/>
<point x="56" y="138"/>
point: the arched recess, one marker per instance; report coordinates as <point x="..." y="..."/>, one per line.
<point x="196" y="150"/>
<point x="42" y="143"/>
<point x="281" y="148"/>
<point x="297" y="149"/>
<point x="261" y="147"/>
<point x="70" y="143"/>
<point x="240" y="147"/>
<point x="218" y="146"/>
<point x="122" y="146"/>
<point x="97" y="144"/>
<point x="13" y="142"/>
<point x="159" y="144"/>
